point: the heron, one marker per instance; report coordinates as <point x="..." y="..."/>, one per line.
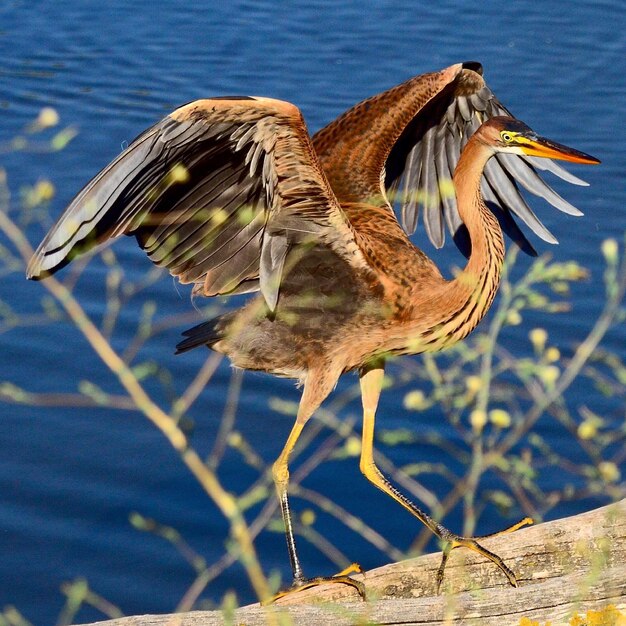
<point x="232" y="195"/>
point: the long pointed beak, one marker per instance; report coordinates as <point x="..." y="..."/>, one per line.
<point x="542" y="147"/>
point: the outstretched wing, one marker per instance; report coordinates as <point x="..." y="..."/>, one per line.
<point x="218" y="192"/>
<point x="417" y="136"/>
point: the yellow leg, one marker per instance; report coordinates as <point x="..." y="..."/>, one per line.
<point x="315" y="390"/>
<point x="371" y="383"/>
<point x="280" y="473"/>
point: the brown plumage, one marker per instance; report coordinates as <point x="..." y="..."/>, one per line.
<point x="232" y="195"/>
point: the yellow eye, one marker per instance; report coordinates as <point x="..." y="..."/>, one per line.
<point x="506" y="137"/>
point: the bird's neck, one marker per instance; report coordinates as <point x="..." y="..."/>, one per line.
<point x="477" y="284"/>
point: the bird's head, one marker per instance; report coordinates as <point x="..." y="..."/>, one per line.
<point x="507" y="134"/>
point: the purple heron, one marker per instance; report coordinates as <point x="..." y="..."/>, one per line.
<point x="233" y="195"/>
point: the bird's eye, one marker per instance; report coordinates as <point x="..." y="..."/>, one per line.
<point x="506" y="137"/>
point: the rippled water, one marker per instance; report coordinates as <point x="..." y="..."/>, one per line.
<point x="69" y="478"/>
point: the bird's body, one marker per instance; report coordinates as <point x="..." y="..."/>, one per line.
<point x="232" y="195"/>
<point x="334" y="318"/>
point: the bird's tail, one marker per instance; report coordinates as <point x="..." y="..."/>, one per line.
<point x="206" y="334"/>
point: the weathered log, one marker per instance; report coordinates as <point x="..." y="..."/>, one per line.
<point x="564" y="567"/>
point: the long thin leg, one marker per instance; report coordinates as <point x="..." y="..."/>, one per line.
<point x="371" y="383"/>
<point x="280" y="472"/>
<point x="316" y="388"/>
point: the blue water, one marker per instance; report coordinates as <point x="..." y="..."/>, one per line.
<point x="70" y="477"/>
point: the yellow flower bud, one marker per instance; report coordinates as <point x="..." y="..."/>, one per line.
<point x="538" y="337"/>
<point x="308" y="517"/>
<point x="587" y="430"/>
<point x="353" y="446"/>
<point x="474" y="384"/>
<point x="500" y="418"/>
<point x="235" y="439"/>
<point x="415" y="400"/>
<point x="179" y="174"/>
<point x="44" y="190"/>
<point x="513" y="317"/>
<point x="609" y="250"/>
<point x="552" y="355"/>
<point x="47" y="118"/>
<point x="219" y="216"/>
<point x="478" y="419"/>
<point x="550" y="374"/>
<point x="609" y="471"/>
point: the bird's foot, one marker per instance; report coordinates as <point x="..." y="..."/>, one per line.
<point x="452" y="541"/>
<point x="342" y="577"/>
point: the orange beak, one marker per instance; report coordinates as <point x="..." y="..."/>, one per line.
<point x="542" y="147"/>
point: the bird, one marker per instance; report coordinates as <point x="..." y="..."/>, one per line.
<point x="233" y="195"/>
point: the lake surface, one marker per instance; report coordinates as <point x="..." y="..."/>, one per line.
<point x="69" y="478"/>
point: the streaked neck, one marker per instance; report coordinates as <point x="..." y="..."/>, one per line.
<point x="480" y="278"/>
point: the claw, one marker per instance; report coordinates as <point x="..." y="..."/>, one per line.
<point x="353" y="568"/>
<point x="455" y="541"/>
<point x="445" y="553"/>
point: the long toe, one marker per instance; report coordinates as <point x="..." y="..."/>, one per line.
<point x="452" y="540"/>
<point x="342" y="578"/>
<point x="456" y="541"/>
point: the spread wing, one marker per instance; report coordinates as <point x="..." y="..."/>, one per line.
<point x="417" y="136"/>
<point x="218" y="192"/>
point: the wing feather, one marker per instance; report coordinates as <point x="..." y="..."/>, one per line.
<point x="527" y="177"/>
<point x="458" y="113"/>
<point x="430" y="198"/>
<point x="408" y="199"/>
<point x="219" y="192"/>
<point x="435" y="125"/>
<point x="507" y="194"/>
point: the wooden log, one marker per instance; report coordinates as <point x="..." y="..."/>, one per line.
<point x="564" y="567"/>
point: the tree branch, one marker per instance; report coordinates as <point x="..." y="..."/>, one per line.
<point x="564" y="567"/>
